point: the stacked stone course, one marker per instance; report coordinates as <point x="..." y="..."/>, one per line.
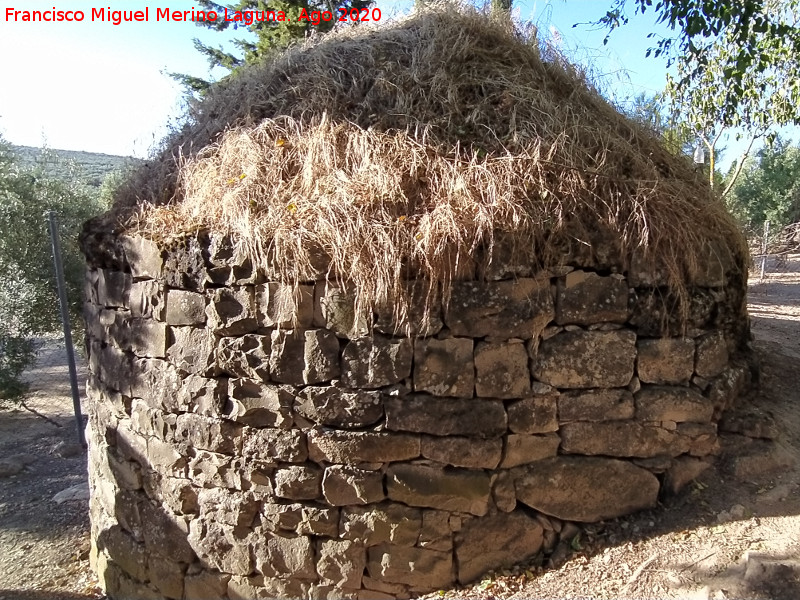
<point x="248" y="440"/>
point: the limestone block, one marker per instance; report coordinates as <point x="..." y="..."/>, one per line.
<point x="503" y="492"/>
<point x="683" y="471"/>
<point x="192" y="350"/>
<point x="458" y="490"/>
<point x="421" y="413"/>
<point x="155" y="381"/>
<point x="416" y="567"/>
<point x="257" y="404"/>
<point x="502" y="309"/>
<point x="113" y="288"/>
<point x="586" y="489"/>
<point x="467" y="452"/>
<point x="501" y="370"/>
<point x="144" y="337"/>
<point x="665" y="360"/>
<point x="495" y="542"/>
<point x="712" y="354"/>
<point x="245" y="356"/>
<point x="146" y="299"/>
<point x="524" y="449"/>
<point x="596" y="405"/>
<point x="335" y="309"/>
<point x="341" y="563"/>
<point x="702" y="438"/>
<point x="143" y="257"/>
<point x="274" y="445"/>
<point x="298" y="482"/>
<point x="373" y="362"/>
<point x="285" y="306"/>
<point x="385" y="523"/>
<point x="185" y="308"/>
<point x="232" y="311"/>
<point x="337" y="407"/>
<point x="202" y="395"/>
<point x="726" y="388"/>
<point x="586" y="298"/>
<point x="679" y="404"/>
<point x="345" y="485"/>
<point x="304" y="357"/>
<point x="417" y="322"/>
<point x="444" y="367"/>
<point x="301" y="519"/>
<point x="586" y="359"/>
<point x="123" y="549"/>
<point x="620" y="438"/>
<point x="325" y="445"/>
<point x="279" y="556"/>
<point x="537" y="414"/>
<point x="205" y="585"/>
<point x="209" y="469"/>
<point x="219" y="548"/>
<point x="435" y="533"/>
<point x="165" y="535"/>
<point x="167" y="577"/>
<point x="179" y="495"/>
<point x="207" y="433"/>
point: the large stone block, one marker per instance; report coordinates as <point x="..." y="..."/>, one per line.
<point x="586" y="489"/>
<point x="165" y="534"/>
<point x="146" y="300"/>
<point x="205" y="585"/>
<point x="123" y="549"/>
<point x="665" y="360"/>
<point x="259" y="405"/>
<point x="537" y="414"/>
<point x="207" y="433"/>
<point x="232" y="311"/>
<point x="185" y="308"/>
<point x="585" y="298"/>
<point x="275" y="445"/>
<point x="385" y="523"/>
<point x="457" y="490"/>
<point x="298" y="482"/>
<point x="341" y="563"/>
<point x="444" y="367"/>
<point x="712" y="354"/>
<point x="679" y="404"/>
<point x="501" y="309"/>
<point x="113" y="288"/>
<point x="421" y="413"/>
<point x="302" y="519"/>
<point x="245" y="356"/>
<point x="466" y="452"/>
<point x="209" y="469"/>
<point x="373" y="362"/>
<point x="345" y="447"/>
<point x="279" y="556"/>
<point x="304" y="357"/>
<point x="337" y="407"/>
<point x="202" y="395"/>
<point x="144" y="337"/>
<point x="422" y="318"/>
<point x="586" y="359"/>
<point x="185" y="263"/>
<point x="219" y="548"/>
<point x="620" y="438"/>
<point x="501" y="370"/>
<point x="418" y="568"/>
<point x="335" y="309"/>
<point x="345" y="485"/>
<point x="596" y="405"/>
<point x="167" y="577"/>
<point x="495" y="542"/>
<point x="285" y="306"/>
<point x="192" y="350"/>
<point x="524" y="449"/>
<point x="143" y="256"/>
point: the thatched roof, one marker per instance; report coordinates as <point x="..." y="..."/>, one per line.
<point x="416" y="145"/>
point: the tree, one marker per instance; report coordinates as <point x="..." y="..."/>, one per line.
<point x="301" y="19"/>
<point x="651" y="112"/>
<point x="28" y="300"/>
<point x="738" y="65"/>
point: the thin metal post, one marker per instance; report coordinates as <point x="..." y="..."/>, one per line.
<point x="764" y="250"/>
<point x="62" y="300"/>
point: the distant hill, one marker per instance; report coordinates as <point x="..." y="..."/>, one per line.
<point x="92" y="167"/>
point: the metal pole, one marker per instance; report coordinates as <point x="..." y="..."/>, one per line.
<point x="764" y="250"/>
<point x="62" y="300"/>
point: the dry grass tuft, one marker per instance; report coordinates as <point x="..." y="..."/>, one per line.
<point x="413" y="148"/>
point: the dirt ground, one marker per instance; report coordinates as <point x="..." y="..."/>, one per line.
<point x="735" y="533"/>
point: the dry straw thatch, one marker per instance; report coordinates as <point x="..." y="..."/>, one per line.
<point x="411" y="148"/>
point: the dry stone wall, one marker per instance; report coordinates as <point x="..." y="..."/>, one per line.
<point x="242" y="450"/>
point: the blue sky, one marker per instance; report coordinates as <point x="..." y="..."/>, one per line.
<point x="103" y="88"/>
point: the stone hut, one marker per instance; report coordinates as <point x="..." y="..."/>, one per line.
<point x="271" y="418"/>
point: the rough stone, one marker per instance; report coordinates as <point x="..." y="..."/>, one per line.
<point x="416" y="567"/>
<point x="702" y="437"/>
<point x="586" y="298"/>
<point x="245" y="356"/>
<point x="458" y="490"/>
<point x="524" y="449"/>
<point x="208" y="469"/>
<point x="143" y="256"/>
<point x="679" y="404"/>
<point x="421" y="413"/>
<point x="336" y="407"/>
<point x="144" y="337"/>
<point x="503" y="492"/>
<point x="418" y="322"/>
<point x="113" y="288"/>
<point x="146" y="300"/>
<point x="185" y="308"/>
<point x="376" y="362"/>
<point x="620" y="438"/>
<point x="259" y="405"/>
<point x="385" y="523"/>
<point x="444" y="367"/>
<point x="344" y="485"/>
<point x="596" y="405"/>
<point x="232" y="311"/>
<point x="205" y="585"/>
<point x="167" y="577"/>
<point x="185" y="265"/>
<point x="266" y="588"/>
<point x="165" y="535"/>
<point x="274" y="445"/>
<point x="341" y="563"/>
<point x="683" y="471"/>
<point x="665" y="360"/>
<point x="502" y="309"/>
<point x="284" y="306"/>
<point x="298" y="482"/>
<point x="466" y="452"/>
<point x="276" y="555"/>
<point x="201" y="395"/>
<point x="335" y="310"/>
<point x="343" y="447"/>
<point x="495" y="542"/>
<point x="304" y="357"/>
<point x="123" y="549"/>
<point x="587" y="359"/>
<point x="501" y="370"/>
<point x="586" y="489"/>
<point x="207" y="433"/>
<point x="712" y="354"/>
<point x="537" y="414"/>
<point x="192" y="350"/>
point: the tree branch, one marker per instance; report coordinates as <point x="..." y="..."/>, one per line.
<point x="740" y="163"/>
